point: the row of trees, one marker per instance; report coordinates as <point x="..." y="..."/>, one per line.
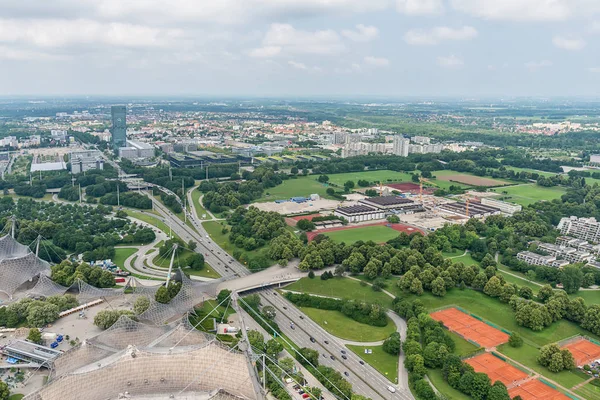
<point x="67" y="272"/>
<point x="35" y="313"/>
<point x="363" y="312"/>
<point x="252" y="228"/>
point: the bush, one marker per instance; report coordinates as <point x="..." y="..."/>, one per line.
<point x="311" y="274"/>
<point x="515" y="340"/>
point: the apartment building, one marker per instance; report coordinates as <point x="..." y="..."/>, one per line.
<point x="581" y="228"/>
<point x="505" y="207"/>
<point x="537" y="259"/>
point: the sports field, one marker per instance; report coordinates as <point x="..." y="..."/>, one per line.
<point x="536" y="390"/>
<point x="529" y="193"/>
<point x="584" y="351"/>
<point x="468" y="179"/>
<point x="496" y="369"/>
<point x="470" y="328"/>
<point x="303" y="186"/>
<point x="377" y="233"/>
<point x="382" y="176"/>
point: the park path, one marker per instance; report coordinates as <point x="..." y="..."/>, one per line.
<point x="582" y="383"/>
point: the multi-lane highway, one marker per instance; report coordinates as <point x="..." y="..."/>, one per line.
<point x="365" y="379"/>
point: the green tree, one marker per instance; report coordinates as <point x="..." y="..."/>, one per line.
<point x="4" y="391"/>
<point x="488" y="261"/>
<point x="556" y="363"/>
<point x="308" y="357"/>
<point x="438" y="287"/>
<point x="480" y="281"/>
<point x="568" y="360"/>
<point x="196" y="261"/>
<point x="256" y="339"/>
<point x="41" y="315"/>
<point x="416" y="287"/>
<point x="515" y="340"/>
<point x="273" y="348"/>
<point x="323" y="179"/>
<point x="269" y="312"/>
<point x="493" y="287"/>
<point x="498" y="391"/>
<point x="106" y="318"/>
<point x="141" y="304"/>
<point x="287" y="364"/>
<point x="223" y="294"/>
<point x="392" y="344"/>
<point x="34" y="336"/>
<point x="571" y="278"/>
<point x="545" y="293"/>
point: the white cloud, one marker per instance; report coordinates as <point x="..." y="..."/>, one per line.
<point x="536" y="65"/>
<point x="568" y="43"/>
<point x="439" y="34"/>
<point x="450" y="61"/>
<point x="284" y="38"/>
<point x="377" y="61"/>
<point x="518" y="10"/>
<point x="13" y="54"/>
<point x="298" y="65"/>
<point x="420" y="7"/>
<point x="56" y="33"/>
<point x="595" y="70"/>
<point x="362" y="34"/>
<point x="594" y="27"/>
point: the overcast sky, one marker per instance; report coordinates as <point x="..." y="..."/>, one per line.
<point x="300" y="47"/>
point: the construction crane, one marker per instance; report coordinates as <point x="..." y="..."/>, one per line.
<point x="421" y="180"/>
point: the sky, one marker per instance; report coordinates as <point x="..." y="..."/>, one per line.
<point x="302" y="48"/>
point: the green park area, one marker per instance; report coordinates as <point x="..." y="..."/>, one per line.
<point x="448" y="177"/>
<point x="529" y="193"/>
<point x="435" y="375"/>
<point x="181" y="261"/>
<point x="215" y="231"/>
<point x="385" y="363"/>
<point x="377" y="233"/>
<point x="200" y="210"/>
<point x="16" y="396"/>
<point x="302" y="186"/>
<point x="527" y="355"/>
<point x="346" y="328"/>
<point x="463" y="347"/>
<point x="121" y="254"/>
<point x="384" y="176"/>
<point x="342" y="288"/>
<point x="203" y="318"/>
<point x="533" y="171"/>
<point x="589" y="391"/>
<point x="151" y="219"/>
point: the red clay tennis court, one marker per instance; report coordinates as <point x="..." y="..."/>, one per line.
<point x="534" y="390"/>
<point x="496" y="369"/>
<point x="470" y="328"/>
<point x="584" y="351"/>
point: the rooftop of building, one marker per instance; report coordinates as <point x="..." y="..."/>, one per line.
<point x="387" y="200"/>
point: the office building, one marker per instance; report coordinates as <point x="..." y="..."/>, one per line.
<point x="359" y="213"/>
<point x="136" y="150"/>
<point x="82" y="161"/>
<point x="400" y="147"/>
<point x="581" y="228"/>
<point x="119" y="126"/>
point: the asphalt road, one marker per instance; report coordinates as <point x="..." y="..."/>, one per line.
<point x="365" y="379"/>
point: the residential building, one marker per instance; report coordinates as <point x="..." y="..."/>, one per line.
<point x="401" y="146"/>
<point x="537" y="259"/>
<point x="581" y="228"/>
<point x="572" y="255"/>
<point x="579" y="244"/>
<point x="505" y="207"/>
<point x="119" y="126"/>
<point x="420" y="139"/>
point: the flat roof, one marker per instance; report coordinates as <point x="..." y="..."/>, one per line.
<point x="49" y="166"/>
<point x="138" y="145"/>
<point x="358" y="209"/>
<point x="387" y="200"/>
<point x="32" y="350"/>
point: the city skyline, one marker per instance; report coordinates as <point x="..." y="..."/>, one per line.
<point x="308" y="49"/>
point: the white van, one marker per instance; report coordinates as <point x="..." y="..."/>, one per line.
<point x="392" y="389"/>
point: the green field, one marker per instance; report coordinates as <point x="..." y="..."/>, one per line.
<point x="501" y="314"/>
<point x="214" y="229"/>
<point x="383" y="362"/>
<point x="151" y="219"/>
<point x="342" y="288"/>
<point x="463" y="347"/>
<point x="303" y="186"/>
<point x="378" y="234"/>
<point x="534" y="171"/>
<point x="121" y="254"/>
<point x="200" y="210"/>
<point x="209" y="311"/>
<point x="180" y="261"/>
<point x="529" y="193"/>
<point x="527" y="355"/>
<point x="435" y="375"/>
<point x="16" y="396"/>
<point x="346" y="328"/>
<point x="465" y="259"/>
<point x="446" y="173"/>
<point x="589" y="391"/>
<point x="384" y="176"/>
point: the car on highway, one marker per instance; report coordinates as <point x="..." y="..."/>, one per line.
<point x="361" y="362"/>
<point x="292" y="326"/>
<point x="284" y="307"/>
<point x="392" y="389"/>
<point x="343" y="351"/>
<point x="325" y="341"/>
<point x="312" y="339"/>
<point x="207" y="236"/>
<point x="344" y="357"/>
<point x="301" y="317"/>
<point x="332" y="357"/>
<point x="346" y="373"/>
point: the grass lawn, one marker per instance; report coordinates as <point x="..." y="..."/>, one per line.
<point x="150" y="219"/>
<point x="121" y="254"/>
<point x="200" y="210"/>
<point x="208" y="310"/>
<point x="589" y="391"/>
<point x="303" y="186"/>
<point x="16" y="396"/>
<point x="534" y="171"/>
<point x="466" y="259"/>
<point x="501" y="314"/>
<point x="463" y="347"/>
<point x="435" y="375"/>
<point x="384" y="176"/>
<point x="527" y="355"/>
<point x="344" y="327"/>
<point x="214" y="229"/>
<point x="529" y="193"/>
<point x="446" y="173"/>
<point x="378" y="234"/>
<point x="342" y="288"/>
<point x="180" y="260"/>
<point x="519" y="281"/>
<point x="383" y="362"/>
<point x="453" y="253"/>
